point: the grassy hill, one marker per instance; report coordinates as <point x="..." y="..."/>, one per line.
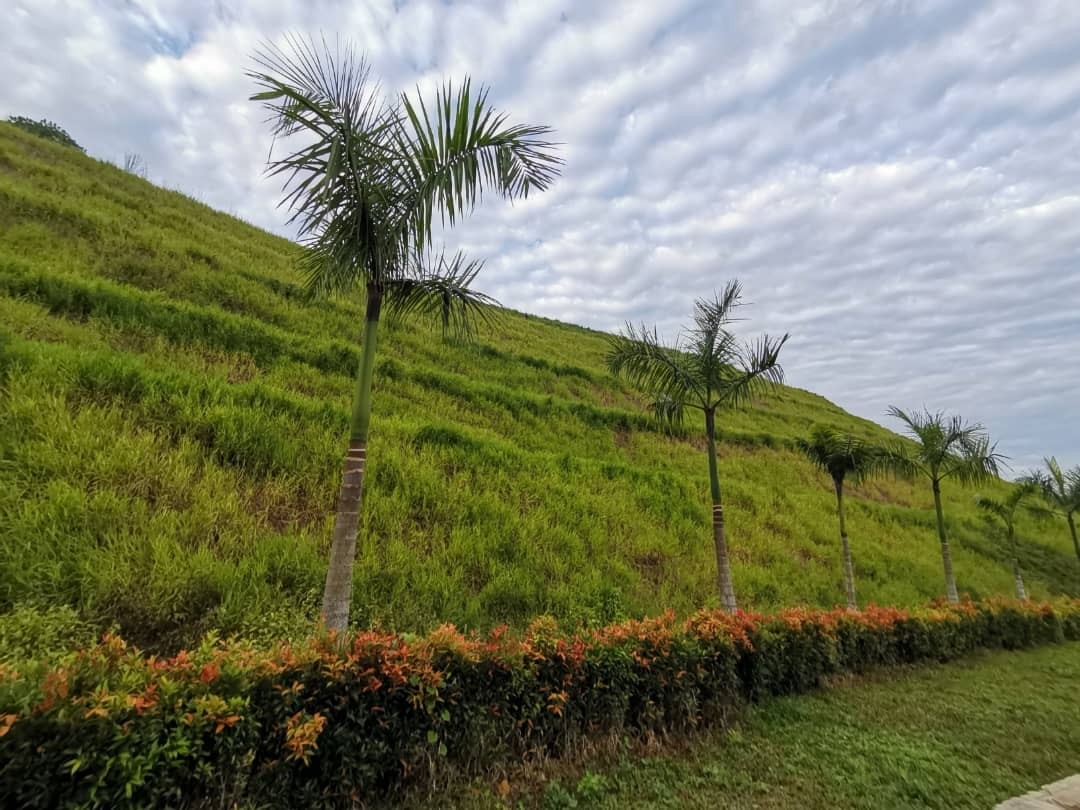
<point x="174" y="412"/>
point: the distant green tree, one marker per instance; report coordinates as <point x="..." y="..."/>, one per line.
<point x="1004" y="510"/>
<point x="365" y="180"/>
<point x="945" y="448"/>
<point x="842" y="456"/>
<point x="45" y="129"/>
<point x="708" y="370"/>
<point x="1060" y="490"/>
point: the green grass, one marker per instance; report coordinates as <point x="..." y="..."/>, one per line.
<point x="963" y="735"/>
<point x="172" y="421"/>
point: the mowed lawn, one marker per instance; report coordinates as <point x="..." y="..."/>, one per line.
<point x="962" y="735"/>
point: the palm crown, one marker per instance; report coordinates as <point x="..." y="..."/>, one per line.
<point x="1005" y="509"/>
<point x="945" y="447"/>
<point x="1060" y="488"/>
<point x="841" y="455"/>
<point x="1061" y="492"/>
<point x="366" y="174"/>
<point x="706" y="369"/>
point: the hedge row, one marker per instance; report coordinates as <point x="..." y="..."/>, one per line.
<point x="336" y="723"/>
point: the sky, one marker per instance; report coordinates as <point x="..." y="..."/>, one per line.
<point x="895" y="183"/>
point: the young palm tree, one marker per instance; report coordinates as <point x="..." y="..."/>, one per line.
<point x="1004" y="509"/>
<point x="946" y="448"/>
<point x="1061" y="491"/>
<point x="706" y="370"/>
<point x="842" y="456"/>
<point x="364" y="177"/>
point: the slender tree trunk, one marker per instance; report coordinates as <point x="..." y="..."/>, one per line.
<point x="723" y="562"/>
<point x="849" y="569"/>
<point x="338" y="591"/>
<point x="946" y="555"/>
<point x="1072" y="530"/>
<point x="1021" y="594"/>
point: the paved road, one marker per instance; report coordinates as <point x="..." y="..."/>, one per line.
<point x="1063" y="795"/>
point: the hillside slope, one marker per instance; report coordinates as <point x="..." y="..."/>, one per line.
<point x="174" y="411"/>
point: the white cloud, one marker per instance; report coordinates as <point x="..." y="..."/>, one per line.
<point x="896" y="184"/>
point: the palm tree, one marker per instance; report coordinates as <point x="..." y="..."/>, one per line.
<point x="1061" y="491"/>
<point x="364" y="177"/>
<point x="842" y="456"/>
<point x="1004" y="509"/>
<point x="706" y="370"/>
<point x="946" y="448"/>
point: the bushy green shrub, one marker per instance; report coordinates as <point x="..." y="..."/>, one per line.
<point x="336" y="722"/>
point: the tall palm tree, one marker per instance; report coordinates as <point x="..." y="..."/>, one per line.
<point x="842" y="456"/>
<point x="1004" y="509"/>
<point x="1061" y="491"/>
<point x="706" y="370"/>
<point x="364" y="177"/>
<point x="945" y="448"/>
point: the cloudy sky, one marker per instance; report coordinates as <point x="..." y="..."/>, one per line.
<point x="896" y="183"/>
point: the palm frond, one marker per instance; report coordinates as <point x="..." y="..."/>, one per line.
<point x="327" y="99"/>
<point x="817" y="447"/>
<point x="995" y="508"/>
<point x="638" y="355"/>
<point x="1055" y="474"/>
<point x="758" y="368"/>
<point x="1056" y="479"/>
<point x="1060" y="488"/>
<point x="977" y="461"/>
<point x="711" y="342"/>
<point x="865" y="458"/>
<point x="1021" y="491"/>
<point x="1028" y="495"/>
<point x="668" y="411"/>
<point x="456" y="146"/>
<point x="902" y="461"/>
<point x="712" y="315"/>
<point x="441" y="291"/>
<point x="350" y="250"/>
<point x="1004" y="509"/>
<point x="309" y="85"/>
<point x="912" y="421"/>
<point x="926" y="428"/>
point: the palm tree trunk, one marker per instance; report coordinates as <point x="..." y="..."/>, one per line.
<point x="1021" y="594"/>
<point x="338" y="591"/>
<point x="849" y="569"/>
<point x="723" y="562"/>
<point x="946" y="555"/>
<point x="1072" y="530"/>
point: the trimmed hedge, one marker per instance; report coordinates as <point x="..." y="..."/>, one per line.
<point x="334" y="724"/>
